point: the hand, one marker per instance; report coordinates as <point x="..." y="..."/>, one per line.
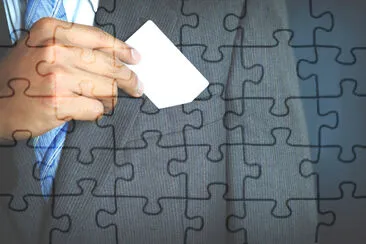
<point x="62" y="71"/>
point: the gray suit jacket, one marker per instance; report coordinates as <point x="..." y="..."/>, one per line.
<point x="222" y="169"/>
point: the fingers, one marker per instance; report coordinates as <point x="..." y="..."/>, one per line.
<point x="89" y="63"/>
<point x="104" y="86"/>
<point x="97" y="62"/>
<point x="79" y="108"/>
<point x="95" y="86"/>
<point x="51" y="31"/>
<point x="78" y="68"/>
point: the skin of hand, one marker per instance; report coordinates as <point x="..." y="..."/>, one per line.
<point x="62" y="71"/>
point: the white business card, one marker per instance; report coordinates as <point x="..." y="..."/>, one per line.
<point x="169" y="78"/>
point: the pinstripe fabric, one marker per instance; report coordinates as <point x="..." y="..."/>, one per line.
<point x="48" y="146"/>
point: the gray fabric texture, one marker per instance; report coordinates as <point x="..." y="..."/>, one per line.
<point x="222" y="169"/>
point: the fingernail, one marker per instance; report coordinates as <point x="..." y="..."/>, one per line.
<point x="135" y="54"/>
<point x="140" y="88"/>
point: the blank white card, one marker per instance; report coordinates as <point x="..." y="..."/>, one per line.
<point x="169" y="78"/>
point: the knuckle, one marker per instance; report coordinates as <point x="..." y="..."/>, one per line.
<point x="52" y="50"/>
<point x="55" y="102"/>
<point x="87" y="55"/>
<point x="58" y="72"/>
<point x="104" y="37"/>
<point x="55" y="50"/>
<point x="44" y="23"/>
<point x="116" y="66"/>
<point x="50" y="83"/>
<point x="47" y="54"/>
<point x="77" y="52"/>
<point x="48" y="42"/>
<point x="50" y="103"/>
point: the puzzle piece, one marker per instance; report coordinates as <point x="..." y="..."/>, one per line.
<point x="18" y="179"/>
<point x="276" y="75"/>
<point x="348" y="120"/>
<point x="105" y="174"/>
<point x="348" y="208"/>
<point x="171" y="225"/>
<point x="347" y="23"/>
<point x="331" y="172"/>
<point x="79" y="128"/>
<point x="151" y="166"/>
<point x="112" y="10"/>
<point x="199" y="33"/>
<point x="82" y="225"/>
<point x="175" y="119"/>
<point x="215" y="210"/>
<point x="252" y="123"/>
<point x="315" y="120"/>
<point x="275" y="160"/>
<point x="227" y="86"/>
<point x="28" y="222"/>
<point x="200" y="167"/>
<point x="244" y="114"/>
<point x="214" y="127"/>
<point x="301" y="225"/>
<point x="328" y="82"/>
<point x="231" y="81"/>
<point x="275" y="19"/>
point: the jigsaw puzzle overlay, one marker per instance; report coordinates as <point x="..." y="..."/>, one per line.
<point x="273" y="151"/>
